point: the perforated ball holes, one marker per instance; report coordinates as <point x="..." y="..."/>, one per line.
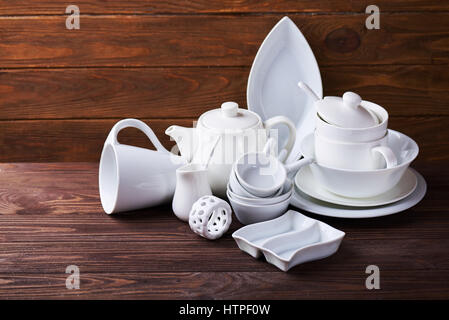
<point x="210" y="217"/>
<point x="214" y="226"/>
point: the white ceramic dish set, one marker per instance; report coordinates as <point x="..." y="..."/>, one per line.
<point x="332" y="156"/>
<point x="356" y="163"/>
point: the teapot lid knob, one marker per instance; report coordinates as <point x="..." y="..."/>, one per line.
<point x="229" y="109"/>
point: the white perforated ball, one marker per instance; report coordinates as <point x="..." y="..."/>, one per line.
<point x="210" y="217"/>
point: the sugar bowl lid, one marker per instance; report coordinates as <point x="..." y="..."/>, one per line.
<point x="229" y="116"/>
<point x="346" y="112"/>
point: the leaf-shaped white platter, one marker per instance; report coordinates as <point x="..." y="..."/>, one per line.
<point x="289" y="240"/>
<point x="284" y="59"/>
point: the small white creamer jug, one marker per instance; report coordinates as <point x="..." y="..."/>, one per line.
<point x="191" y="184"/>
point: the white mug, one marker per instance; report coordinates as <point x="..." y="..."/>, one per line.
<point x="354" y="156"/>
<point x="132" y="178"/>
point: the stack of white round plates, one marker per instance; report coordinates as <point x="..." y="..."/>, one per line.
<point x="312" y="197"/>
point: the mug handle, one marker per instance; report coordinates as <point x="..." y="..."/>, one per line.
<point x="291" y="128"/>
<point x="389" y="156"/>
<point x="134" y="123"/>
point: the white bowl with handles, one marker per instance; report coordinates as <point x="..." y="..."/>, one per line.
<point x="354" y="155"/>
<point x="363" y="183"/>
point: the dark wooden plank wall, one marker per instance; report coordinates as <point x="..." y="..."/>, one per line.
<point x="29" y="7"/>
<point x="168" y="61"/>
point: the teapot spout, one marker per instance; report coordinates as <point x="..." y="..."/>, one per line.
<point x="185" y="140"/>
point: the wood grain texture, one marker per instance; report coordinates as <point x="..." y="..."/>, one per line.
<point x="29" y="7"/>
<point x="169" y="255"/>
<point x="82" y="140"/>
<point x="46" y="225"/>
<point x="314" y="284"/>
<point x="97" y="93"/>
<point x="116" y="93"/>
<point x="124" y="41"/>
<point x="71" y="140"/>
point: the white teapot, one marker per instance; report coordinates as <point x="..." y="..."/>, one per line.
<point x="238" y="131"/>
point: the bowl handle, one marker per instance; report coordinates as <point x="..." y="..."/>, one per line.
<point x="389" y="156"/>
<point x="292" y="168"/>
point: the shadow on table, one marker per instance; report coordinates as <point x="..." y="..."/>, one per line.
<point x="162" y="211"/>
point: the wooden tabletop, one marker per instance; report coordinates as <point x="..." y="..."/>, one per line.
<point x="51" y="217"/>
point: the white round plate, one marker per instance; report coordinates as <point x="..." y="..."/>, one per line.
<point x="306" y="183"/>
<point x="284" y="59"/>
<point x="302" y="201"/>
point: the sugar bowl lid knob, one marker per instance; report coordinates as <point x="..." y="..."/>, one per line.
<point x="346" y="112"/>
<point x="351" y="100"/>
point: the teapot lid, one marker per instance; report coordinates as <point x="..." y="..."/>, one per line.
<point x="346" y="112"/>
<point x="229" y="116"/>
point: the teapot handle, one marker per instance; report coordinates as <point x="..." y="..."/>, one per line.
<point x="269" y="148"/>
<point x="134" y="123"/>
<point x="291" y="128"/>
